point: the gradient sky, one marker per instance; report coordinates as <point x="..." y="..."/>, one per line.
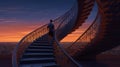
<point x="19" y="17"/>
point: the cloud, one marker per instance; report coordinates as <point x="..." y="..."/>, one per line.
<point x="1" y="19"/>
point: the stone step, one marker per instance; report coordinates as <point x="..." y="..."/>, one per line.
<point x="27" y="55"/>
<point x="36" y="60"/>
<point x="55" y="65"/>
<point x="40" y="44"/>
<point x="39" y="50"/>
<point x="52" y="64"/>
<point x="40" y="47"/>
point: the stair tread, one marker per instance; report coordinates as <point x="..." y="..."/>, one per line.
<point x="34" y="59"/>
<point x="54" y="65"/>
<point x="38" y="65"/>
<point x="41" y="46"/>
<point x="39" y="49"/>
<point x="41" y="43"/>
<point x="38" y="54"/>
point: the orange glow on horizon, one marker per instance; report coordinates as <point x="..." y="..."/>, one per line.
<point x="16" y="33"/>
<point x="15" y="37"/>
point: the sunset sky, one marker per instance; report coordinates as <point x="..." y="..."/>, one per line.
<point x="19" y="17"/>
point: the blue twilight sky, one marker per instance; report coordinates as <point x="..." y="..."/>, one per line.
<point x="33" y="11"/>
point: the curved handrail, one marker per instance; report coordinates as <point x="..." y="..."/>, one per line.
<point x="71" y="14"/>
<point x="70" y="61"/>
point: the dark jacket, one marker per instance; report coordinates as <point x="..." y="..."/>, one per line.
<point x="51" y="29"/>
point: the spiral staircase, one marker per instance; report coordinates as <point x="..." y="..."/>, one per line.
<point x="37" y="49"/>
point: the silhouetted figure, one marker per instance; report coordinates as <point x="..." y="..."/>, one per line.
<point x="51" y="32"/>
<point x="51" y="28"/>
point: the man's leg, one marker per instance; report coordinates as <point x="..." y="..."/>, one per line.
<point x="49" y="39"/>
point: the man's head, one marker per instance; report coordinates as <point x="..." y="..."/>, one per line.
<point x="51" y="20"/>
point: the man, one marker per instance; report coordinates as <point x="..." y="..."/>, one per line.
<point x="51" y="32"/>
<point x="51" y="28"/>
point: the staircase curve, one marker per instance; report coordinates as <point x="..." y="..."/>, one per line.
<point x="35" y="47"/>
<point x="26" y="48"/>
